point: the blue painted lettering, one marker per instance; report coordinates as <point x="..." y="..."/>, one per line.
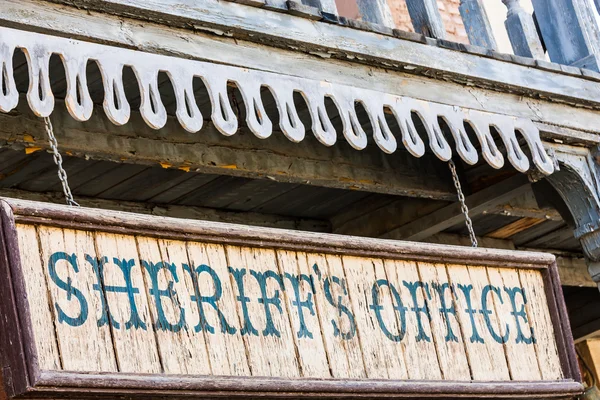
<point x="69" y="288"/>
<point x="162" y="322"/>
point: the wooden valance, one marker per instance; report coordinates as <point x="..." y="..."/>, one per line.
<point x="75" y="55"/>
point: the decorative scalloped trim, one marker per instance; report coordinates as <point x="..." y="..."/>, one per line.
<point x="111" y="60"/>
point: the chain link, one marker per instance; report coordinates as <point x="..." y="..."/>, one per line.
<point x="62" y="174"/>
<point x="463" y="205"/>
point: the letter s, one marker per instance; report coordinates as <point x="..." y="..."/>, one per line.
<point x="68" y="287"/>
<point x="340" y="307"/>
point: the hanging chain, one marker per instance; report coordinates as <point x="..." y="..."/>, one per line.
<point x="463" y="205"/>
<point x="62" y="174"/>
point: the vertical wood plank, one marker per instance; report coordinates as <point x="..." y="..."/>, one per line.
<point x="426" y="18"/>
<point x="522" y="32"/>
<point x="445" y="329"/>
<point x="419" y="350"/>
<point x="376" y="11"/>
<point x="42" y="315"/>
<point x="477" y="24"/>
<point x="486" y="357"/>
<point x="77" y="330"/>
<point x="182" y="350"/>
<point x="343" y="351"/>
<point x="268" y="336"/>
<point x="397" y="366"/>
<point x="327" y="6"/>
<point x="380" y="354"/>
<point x="571" y="32"/>
<point x="134" y="338"/>
<point x="539" y="317"/>
<point x="521" y="357"/>
<point x="301" y="307"/>
<point x="225" y="346"/>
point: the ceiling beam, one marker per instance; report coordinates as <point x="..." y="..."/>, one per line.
<point x="572" y="267"/>
<point x="447" y="217"/>
<point x="176" y="211"/>
<point x="242" y="155"/>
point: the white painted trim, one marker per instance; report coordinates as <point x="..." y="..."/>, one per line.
<point x="75" y="54"/>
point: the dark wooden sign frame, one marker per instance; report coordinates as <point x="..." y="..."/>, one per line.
<point x="23" y="378"/>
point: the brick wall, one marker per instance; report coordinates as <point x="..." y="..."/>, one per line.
<point x="448" y="10"/>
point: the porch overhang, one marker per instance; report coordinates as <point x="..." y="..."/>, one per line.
<point x="75" y="54"/>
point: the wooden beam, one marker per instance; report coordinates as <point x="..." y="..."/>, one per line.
<point x="510" y="210"/>
<point x="572" y="268"/>
<point x="426" y="18"/>
<point x="521" y="31"/>
<point x="477" y="24"/>
<point x="243" y="154"/>
<point x="376" y="11"/>
<point x="188" y="212"/>
<point x="515" y="227"/>
<point x="583" y="305"/>
<point x="375" y="215"/>
<point x="525" y="206"/>
<point x="327" y="6"/>
<point x="310" y="39"/>
<point x="589" y="351"/>
<point x="573" y="271"/>
<point x="570" y="32"/>
<point x="445" y="218"/>
<point x="282" y="30"/>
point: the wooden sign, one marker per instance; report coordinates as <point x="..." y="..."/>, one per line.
<point x="116" y="304"/>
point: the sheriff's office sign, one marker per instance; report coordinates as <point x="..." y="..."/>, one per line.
<point x="99" y="302"/>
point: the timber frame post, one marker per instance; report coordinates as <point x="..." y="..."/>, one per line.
<point x="577" y="183"/>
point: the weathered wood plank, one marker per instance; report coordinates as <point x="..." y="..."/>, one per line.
<point x="343" y="349"/>
<point x="521" y="358"/>
<point x="426" y="18"/>
<point x="188" y="212"/>
<point x="327" y="6"/>
<point x="267" y="334"/>
<point x="301" y="306"/>
<point x="225" y="359"/>
<point x="418" y="348"/>
<point x="477" y="24"/>
<point x="61" y="249"/>
<point x="172" y="307"/>
<point x="276" y="238"/>
<point x="39" y="303"/>
<point x="522" y="32"/>
<point x="380" y="355"/>
<point x="451" y="215"/>
<point x="515" y="227"/>
<point x="119" y="276"/>
<point x="538" y="315"/>
<point x="445" y="329"/>
<point x="570" y="31"/>
<point x="488" y="354"/>
<point x="376" y="11"/>
<point x="243" y="155"/>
